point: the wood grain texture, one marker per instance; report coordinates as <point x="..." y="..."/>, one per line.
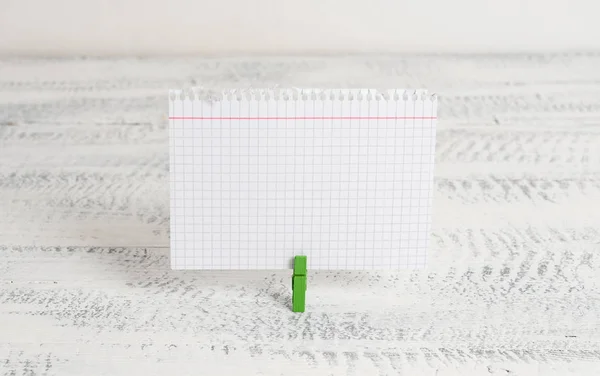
<point x="513" y="286"/>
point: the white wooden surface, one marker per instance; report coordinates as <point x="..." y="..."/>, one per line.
<point x="513" y="286"/>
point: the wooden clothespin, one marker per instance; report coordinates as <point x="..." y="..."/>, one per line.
<point x="299" y="284"/>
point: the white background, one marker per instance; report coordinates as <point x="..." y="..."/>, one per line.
<point x="42" y="27"/>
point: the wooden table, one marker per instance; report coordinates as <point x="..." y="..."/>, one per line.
<point x="513" y="286"/>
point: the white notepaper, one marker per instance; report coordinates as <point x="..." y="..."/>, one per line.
<point x="342" y="176"/>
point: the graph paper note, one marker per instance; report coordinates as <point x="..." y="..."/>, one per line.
<point x="260" y="176"/>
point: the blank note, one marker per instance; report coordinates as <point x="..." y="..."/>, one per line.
<point x="342" y="176"/>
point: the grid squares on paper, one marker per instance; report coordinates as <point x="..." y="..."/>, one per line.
<point x="256" y="182"/>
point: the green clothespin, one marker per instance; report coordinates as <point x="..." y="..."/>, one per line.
<point x="299" y="284"/>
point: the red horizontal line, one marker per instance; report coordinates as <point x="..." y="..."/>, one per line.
<point x="308" y="118"/>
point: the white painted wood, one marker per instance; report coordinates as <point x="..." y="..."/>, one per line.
<point x="513" y="286"/>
